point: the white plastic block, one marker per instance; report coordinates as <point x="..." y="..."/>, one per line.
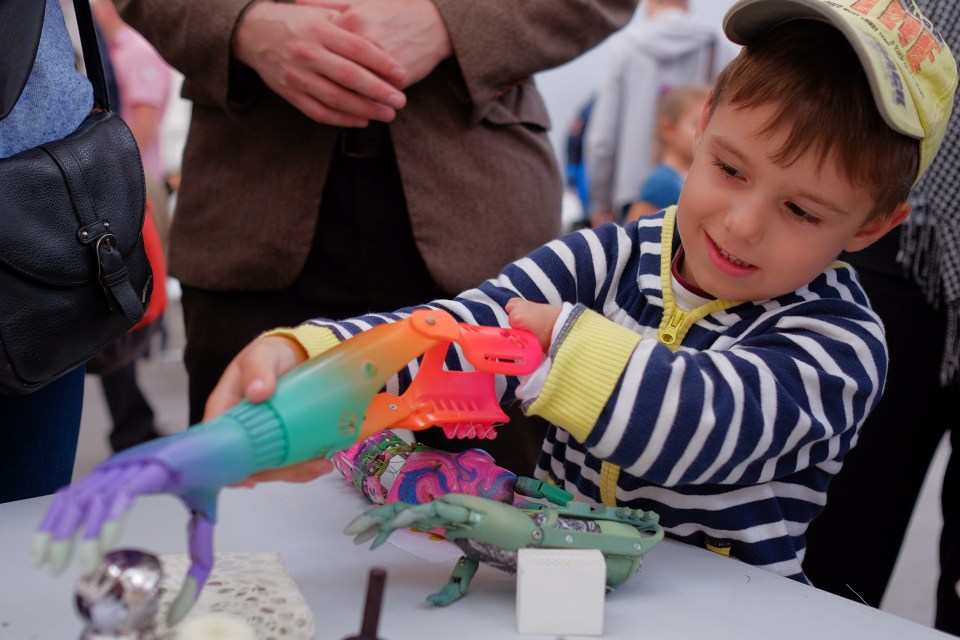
<point x="560" y="591"/>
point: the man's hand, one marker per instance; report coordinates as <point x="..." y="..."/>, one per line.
<point x="537" y="318"/>
<point x="330" y="74"/>
<point x="411" y="31"/>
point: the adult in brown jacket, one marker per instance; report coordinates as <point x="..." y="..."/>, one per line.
<point x="283" y="214"/>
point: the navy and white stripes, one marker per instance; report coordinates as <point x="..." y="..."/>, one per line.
<point x="732" y="437"/>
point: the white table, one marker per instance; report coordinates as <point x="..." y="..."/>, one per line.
<point x="681" y="591"/>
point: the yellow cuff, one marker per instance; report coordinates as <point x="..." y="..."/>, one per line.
<point x="585" y="370"/>
<point x="314" y="340"/>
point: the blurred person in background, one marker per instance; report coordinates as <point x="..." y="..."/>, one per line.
<point x="144" y="83"/>
<point x="39" y="431"/>
<point x="666" y="47"/>
<point x="678" y="116"/>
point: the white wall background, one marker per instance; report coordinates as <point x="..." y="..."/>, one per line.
<point x="567" y="87"/>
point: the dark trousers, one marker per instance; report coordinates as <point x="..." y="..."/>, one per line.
<point x="132" y="415"/>
<point x="853" y="545"/>
<point x="364" y="259"/>
<point x="38" y="438"/>
<point x="116" y="366"/>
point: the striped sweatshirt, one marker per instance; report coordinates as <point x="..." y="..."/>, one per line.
<point x="728" y="419"/>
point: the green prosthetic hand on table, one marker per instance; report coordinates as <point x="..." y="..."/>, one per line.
<point x="492" y="532"/>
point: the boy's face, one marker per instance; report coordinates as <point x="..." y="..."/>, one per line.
<point x="753" y="229"/>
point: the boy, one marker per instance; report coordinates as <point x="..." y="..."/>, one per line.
<point x="713" y="362"/>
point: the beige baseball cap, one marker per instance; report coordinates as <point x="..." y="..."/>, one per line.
<point x="910" y="68"/>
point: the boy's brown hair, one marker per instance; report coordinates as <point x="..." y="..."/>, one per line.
<point x="810" y="72"/>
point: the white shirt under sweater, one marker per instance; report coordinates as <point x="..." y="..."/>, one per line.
<point x="731" y="436"/>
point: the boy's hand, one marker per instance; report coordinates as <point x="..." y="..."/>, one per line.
<point x="253" y="375"/>
<point x="537" y="318"/>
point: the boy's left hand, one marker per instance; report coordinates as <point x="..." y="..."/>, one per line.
<point x="536" y="317"/>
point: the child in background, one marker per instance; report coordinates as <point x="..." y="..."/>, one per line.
<point x="719" y="375"/>
<point x="678" y="116"/>
<point x="665" y="45"/>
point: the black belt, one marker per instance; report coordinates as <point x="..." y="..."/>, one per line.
<point x="373" y="141"/>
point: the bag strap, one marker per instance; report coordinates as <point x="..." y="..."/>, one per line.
<point x="96" y="232"/>
<point x="91" y="54"/>
<point x="21" y="24"/>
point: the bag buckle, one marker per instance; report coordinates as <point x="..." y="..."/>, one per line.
<point x="106" y="242"/>
<point x="115" y="279"/>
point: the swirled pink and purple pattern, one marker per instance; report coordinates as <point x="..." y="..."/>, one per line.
<point x="385" y="468"/>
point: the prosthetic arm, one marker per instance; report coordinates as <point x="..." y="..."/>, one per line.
<point x="322" y="406"/>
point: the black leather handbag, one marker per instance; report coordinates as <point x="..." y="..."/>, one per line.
<point x="74" y="274"/>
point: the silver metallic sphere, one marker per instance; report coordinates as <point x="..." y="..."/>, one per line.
<point x="120" y="597"/>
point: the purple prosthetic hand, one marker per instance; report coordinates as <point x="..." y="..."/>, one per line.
<point x="94" y="507"/>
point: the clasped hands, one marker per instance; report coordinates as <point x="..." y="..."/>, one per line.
<point x="343" y="62"/>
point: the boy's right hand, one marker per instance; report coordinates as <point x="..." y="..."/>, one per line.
<point x="536" y="317"/>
